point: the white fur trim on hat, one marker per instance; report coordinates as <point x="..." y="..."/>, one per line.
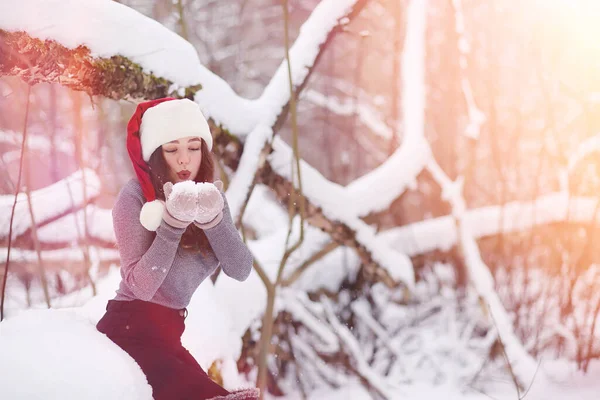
<point x="151" y="214"/>
<point x="172" y="120"/>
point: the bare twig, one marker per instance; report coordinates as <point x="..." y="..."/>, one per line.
<point x="34" y="235"/>
<point x="12" y="213"/>
<point x="328" y="248"/>
<point x="182" y="24"/>
<point x="267" y="329"/>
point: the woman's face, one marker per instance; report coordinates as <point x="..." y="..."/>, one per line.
<point x="183" y="157"/>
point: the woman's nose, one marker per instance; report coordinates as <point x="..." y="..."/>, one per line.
<point x="184" y="158"/>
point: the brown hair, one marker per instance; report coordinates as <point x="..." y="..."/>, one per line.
<point x="193" y="239"/>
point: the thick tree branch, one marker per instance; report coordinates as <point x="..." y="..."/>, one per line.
<point x="340" y="232"/>
<point x="47" y="61"/>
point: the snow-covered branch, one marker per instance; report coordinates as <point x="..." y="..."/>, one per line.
<point x="34" y="142"/>
<point x="332" y="199"/>
<point x="324" y="21"/>
<point x="326" y="213"/>
<point x="440" y="233"/>
<point x="56" y="194"/>
<point x="376" y="190"/>
<point x="436" y="337"/>
<point x="103" y="39"/>
<point x="476" y="117"/>
<point x="315" y="33"/>
<point x="365" y="113"/>
<point x="587" y="147"/>
<point x="363" y="369"/>
<point x="523" y="364"/>
<point x="36" y="61"/>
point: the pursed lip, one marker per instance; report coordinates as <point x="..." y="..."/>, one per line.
<point x="183" y="174"/>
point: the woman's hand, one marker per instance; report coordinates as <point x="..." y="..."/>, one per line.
<point x="210" y="204"/>
<point x="181" y="203"/>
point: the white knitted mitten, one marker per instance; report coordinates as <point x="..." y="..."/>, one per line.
<point x="210" y="204"/>
<point x="181" y="203"/>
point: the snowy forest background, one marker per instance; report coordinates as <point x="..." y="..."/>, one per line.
<point x="444" y="232"/>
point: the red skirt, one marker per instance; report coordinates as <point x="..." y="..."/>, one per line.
<point x="151" y="335"/>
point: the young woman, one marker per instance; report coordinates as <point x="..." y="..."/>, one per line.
<point x="173" y="228"/>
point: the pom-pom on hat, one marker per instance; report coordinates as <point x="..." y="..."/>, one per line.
<point x="153" y="124"/>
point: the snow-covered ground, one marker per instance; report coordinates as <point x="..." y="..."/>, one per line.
<point x="58" y="353"/>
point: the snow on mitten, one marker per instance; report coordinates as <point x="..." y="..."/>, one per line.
<point x="181" y="203"/>
<point x="210" y="204"/>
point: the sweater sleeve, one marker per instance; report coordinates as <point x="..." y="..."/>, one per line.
<point x="146" y="259"/>
<point x="234" y="256"/>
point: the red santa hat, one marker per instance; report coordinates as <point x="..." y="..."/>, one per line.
<point x="153" y="124"/>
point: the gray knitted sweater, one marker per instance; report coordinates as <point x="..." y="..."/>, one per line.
<point x="153" y="266"/>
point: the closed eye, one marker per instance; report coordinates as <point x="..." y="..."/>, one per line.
<point x="195" y="149"/>
<point x="170" y="151"/>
